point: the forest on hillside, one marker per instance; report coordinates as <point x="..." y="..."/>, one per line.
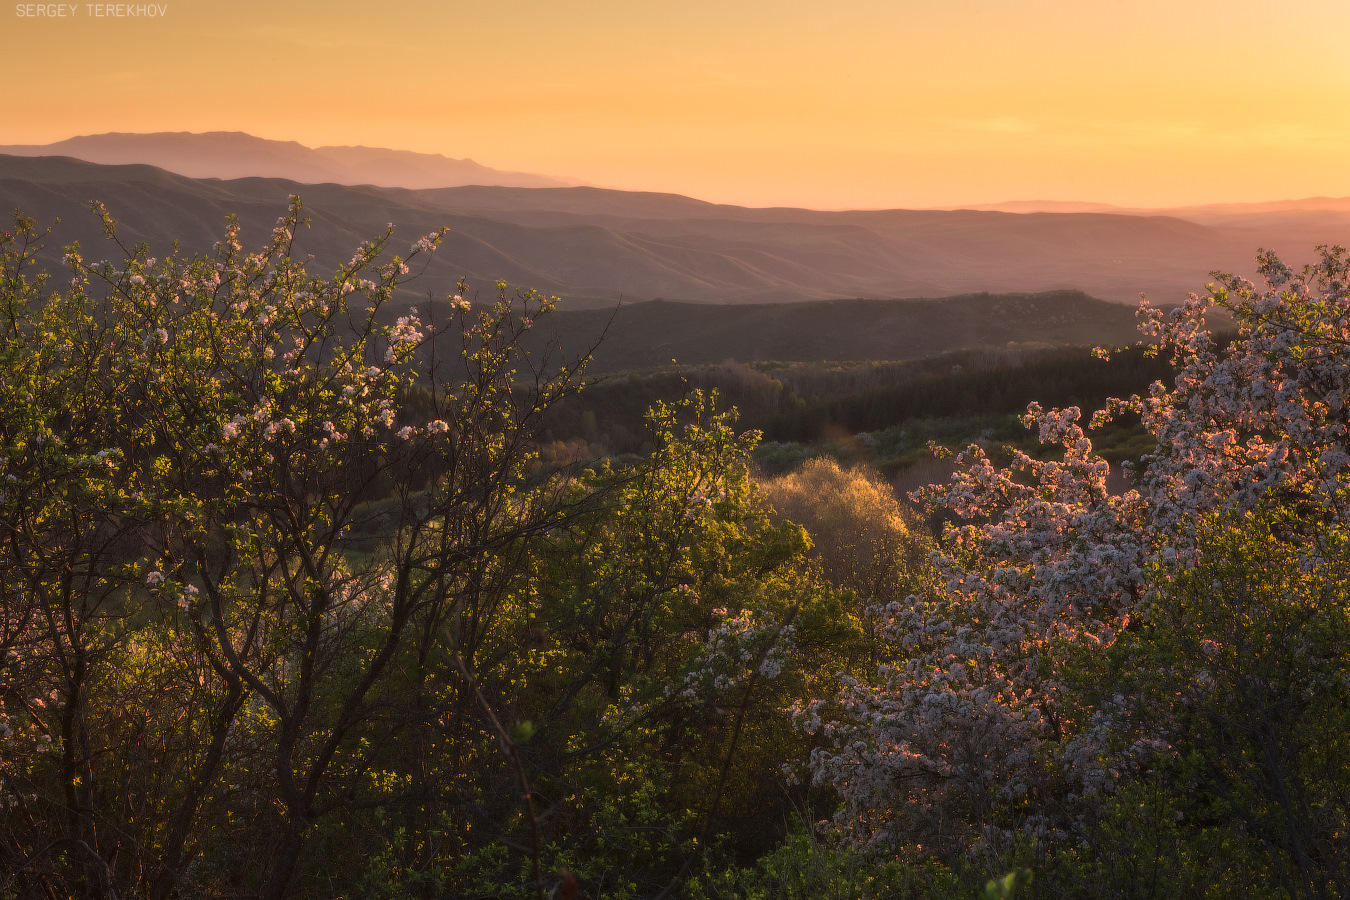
<point x="307" y="594"/>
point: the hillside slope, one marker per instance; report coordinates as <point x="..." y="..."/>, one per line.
<point x="594" y="246"/>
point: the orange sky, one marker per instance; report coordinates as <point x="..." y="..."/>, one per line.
<point x="848" y="103"/>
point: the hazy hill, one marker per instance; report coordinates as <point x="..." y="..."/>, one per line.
<point x="1293" y="228"/>
<point x="594" y="246"/>
<point x="233" y="154"/>
<point x="1209" y="212"/>
<point x="1057" y="206"/>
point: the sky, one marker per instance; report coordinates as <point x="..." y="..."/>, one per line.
<point x="827" y="104"/>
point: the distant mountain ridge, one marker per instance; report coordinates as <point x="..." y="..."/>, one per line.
<point x="234" y="154"/>
<point x="593" y="246"/>
<point x="1205" y="213"/>
<point x="1056" y="206"/>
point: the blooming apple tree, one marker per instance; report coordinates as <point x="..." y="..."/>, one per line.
<point x="191" y="605"/>
<point x="973" y="733"/>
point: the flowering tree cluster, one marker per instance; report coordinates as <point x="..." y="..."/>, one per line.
<point x="983" y="729"/>
<point x="190" y="452"/>
<point x="289" y="603"/>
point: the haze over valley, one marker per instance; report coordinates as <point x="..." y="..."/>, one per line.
<point x="593" y="246"/>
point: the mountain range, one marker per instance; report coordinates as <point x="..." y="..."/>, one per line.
<point x="593" y="246"/>
<point x="234" y="154"/>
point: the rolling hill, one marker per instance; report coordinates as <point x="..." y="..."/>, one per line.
<point x="593" y="246"/>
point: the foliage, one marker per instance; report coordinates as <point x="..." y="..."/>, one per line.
<point x="983" y="730"/>
<point x="865" y="539"/>
<point x="186" y="446"/>
<point x="807" y="866"/>
<point x="292" y="606"/>
<point x="1241" y="671"/>
<point x="297" y="598"/>
<point x="681" y="622"/>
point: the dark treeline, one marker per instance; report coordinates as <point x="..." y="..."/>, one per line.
<point x="1061" y="377"/>
<point x="805" y="403"/>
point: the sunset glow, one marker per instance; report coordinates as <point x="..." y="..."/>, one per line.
<point x="857" y="103"/>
